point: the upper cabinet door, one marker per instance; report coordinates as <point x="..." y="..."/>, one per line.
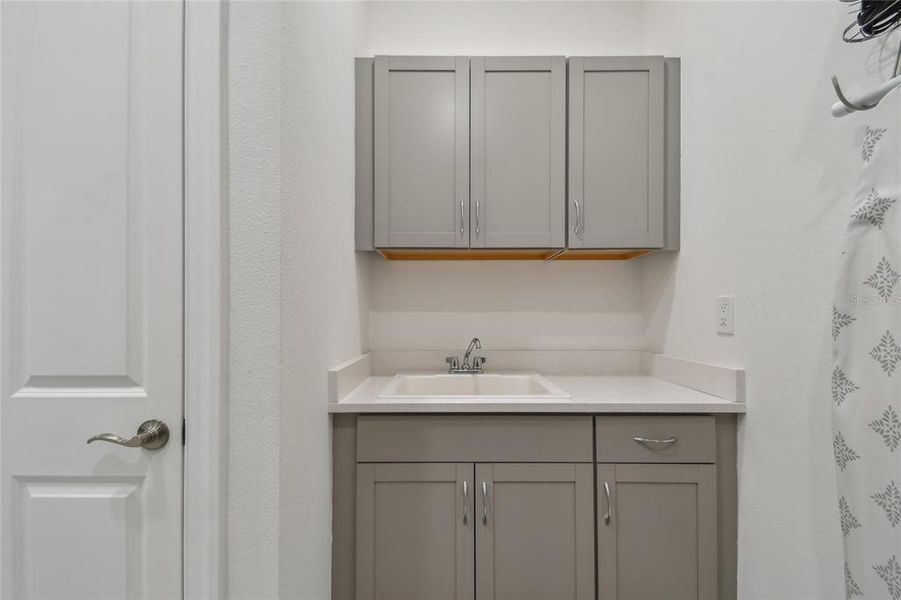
<point x="421" y="162"/>
<point x="616" y="144"/>
<point x="518" y="152"/>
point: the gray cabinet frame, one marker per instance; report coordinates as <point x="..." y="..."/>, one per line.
<point x="553" y="172"/>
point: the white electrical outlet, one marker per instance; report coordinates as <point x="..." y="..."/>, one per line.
<point x="725" y="315"/>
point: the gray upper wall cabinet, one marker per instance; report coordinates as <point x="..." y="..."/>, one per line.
<point x="518" y="152"/>
<point x="421" y="151"/>
<point x="616" y="152"/>
<point x="460" y="153"/>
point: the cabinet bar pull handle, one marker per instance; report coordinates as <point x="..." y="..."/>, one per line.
<point x="643" y="440"/>
<point x="607" y="494"/>
<point x="578" y="223"/>
<point x="462" y="224"/>
<point x="477" y="217"/>
<point x="484" y="502"/>
<point x="465" y="502"/>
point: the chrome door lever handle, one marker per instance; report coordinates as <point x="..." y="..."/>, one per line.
<point x="151" y="435"/>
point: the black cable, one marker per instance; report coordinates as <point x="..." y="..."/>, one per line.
<point x="878" y="16"/>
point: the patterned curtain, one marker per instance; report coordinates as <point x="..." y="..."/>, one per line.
<point x="866" y="333"/>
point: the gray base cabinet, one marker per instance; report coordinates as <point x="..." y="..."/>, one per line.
<point x="657" y="532"/>
<point x="534" y="507"/>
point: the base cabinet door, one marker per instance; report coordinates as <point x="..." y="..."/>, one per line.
<point x="415" y="531"/>
<point x="656" y="532"/>
<point x="534" y="531"/>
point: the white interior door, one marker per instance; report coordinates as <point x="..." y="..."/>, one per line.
<point x="91" y="293"/>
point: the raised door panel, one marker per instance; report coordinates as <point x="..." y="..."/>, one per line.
<point x="421" y="162"/>
<point x="616" y="133"/>
<point x="659" y="542"/>
<point x="91" y="287"/>
<point x="518" y="152"/>
<point x="415" y="531"/>
<point x="534" y="532"/>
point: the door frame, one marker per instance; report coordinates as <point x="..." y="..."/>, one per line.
<point x="205" y="297"/>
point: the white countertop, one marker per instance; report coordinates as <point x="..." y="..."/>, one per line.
<point x="590" y="394"/>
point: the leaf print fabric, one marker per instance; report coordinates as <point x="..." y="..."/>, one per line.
<point x="883" y="280"/>
<point x="839" y="320"/>
<point x="890" y="573"/>
<point x="890" y="502"/>
<point x="849" y="521"/>
<point x="887" y="353"/>
<point x="851" y="587"/>
<point x="889" y="427"/>
<point x="874" y="209"/>
<point x="843" y="453"/>
<point x="865" y="372"/>
<point x="841" y="386"/>
<point x="869" y="143"/>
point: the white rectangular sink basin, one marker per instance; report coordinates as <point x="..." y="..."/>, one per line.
<point x="491" y="387"/>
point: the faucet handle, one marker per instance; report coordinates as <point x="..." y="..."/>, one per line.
<point x="453" y="363"/>
<point x="477" y="362"/>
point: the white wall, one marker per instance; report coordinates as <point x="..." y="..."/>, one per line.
<point x="298" y="289"/>
<point x="765" y="170"/>
<point x="254" y="124"/>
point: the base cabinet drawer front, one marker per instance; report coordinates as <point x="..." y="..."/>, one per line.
<point x="415" y="532"/>
<point x="534" y="532"/>
<point x="656" y="532"/>
<point x="653" y="439"/>
<point x="474" y="438"/>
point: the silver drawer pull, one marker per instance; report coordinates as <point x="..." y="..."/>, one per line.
<point x="465" y="502"/>
<point x="607" y="494"/>
<point x="644" y="440"/>
<point x="484" y="502"/>
<point x="462" y="222"/>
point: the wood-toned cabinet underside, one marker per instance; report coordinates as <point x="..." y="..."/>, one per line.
<point x="465" y="506"/>
<point x="525" y="157"/>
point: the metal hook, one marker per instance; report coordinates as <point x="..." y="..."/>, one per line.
<point x="844" y="100"/>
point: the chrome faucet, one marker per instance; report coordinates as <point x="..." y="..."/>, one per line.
<point x="453" y="362"/>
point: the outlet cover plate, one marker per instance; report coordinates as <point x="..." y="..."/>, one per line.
<point x="725" y="315"/>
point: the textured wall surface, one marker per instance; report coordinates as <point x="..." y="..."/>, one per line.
<point x="765" y="171"/>
<point x="298" y="296"/>
<point x="255" y="291"/>
<point x="324" y="297"/>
